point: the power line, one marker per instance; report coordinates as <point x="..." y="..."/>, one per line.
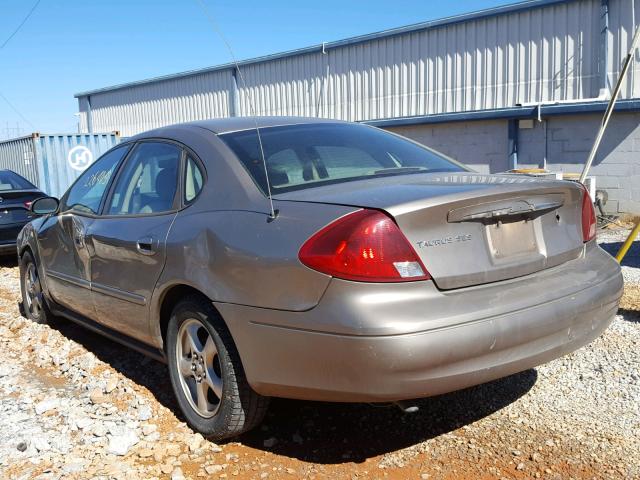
<point x="24" y="20"/>
<point x="8" y="39"/>
<point x="17" y="111"/>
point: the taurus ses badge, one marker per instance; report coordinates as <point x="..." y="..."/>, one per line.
<point x="444" y="240"/>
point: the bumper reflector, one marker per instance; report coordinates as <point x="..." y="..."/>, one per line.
<point x="409" y="269"/>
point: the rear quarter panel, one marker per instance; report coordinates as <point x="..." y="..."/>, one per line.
<point x="241" y="257"/>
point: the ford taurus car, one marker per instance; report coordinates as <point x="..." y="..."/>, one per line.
<point x="316" y="259"/>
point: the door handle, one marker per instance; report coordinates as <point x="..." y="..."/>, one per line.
<point x="145" y="246"/>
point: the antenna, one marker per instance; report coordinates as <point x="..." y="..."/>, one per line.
<point x="215" y="27"/>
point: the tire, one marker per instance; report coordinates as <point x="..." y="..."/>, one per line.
<point x="34" y="304"/>
<point x="207" y="375"/>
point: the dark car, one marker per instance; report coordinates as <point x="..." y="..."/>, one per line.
<point x="385" y="271"/>
<point x="16" y="196"/>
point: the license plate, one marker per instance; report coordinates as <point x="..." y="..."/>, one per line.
<point x="512" y="239"/>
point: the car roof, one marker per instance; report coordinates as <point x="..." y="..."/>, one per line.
<point x="235" y="124"/>
<point x="12" y="172"/>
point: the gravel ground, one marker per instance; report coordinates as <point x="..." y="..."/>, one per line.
<point x="75" y="405"/>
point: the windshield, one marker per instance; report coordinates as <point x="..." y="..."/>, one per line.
<point x="308" y="155"/>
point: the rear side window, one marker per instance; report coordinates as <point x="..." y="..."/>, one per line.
<point x="308" y="155"/>
<point x="148" y="181"/>
<point x="85" y="195"/>
<point x="193" y="180"/>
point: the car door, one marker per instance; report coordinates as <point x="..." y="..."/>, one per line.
<point x="129" y="238"/>
<point x="64" y="251"/>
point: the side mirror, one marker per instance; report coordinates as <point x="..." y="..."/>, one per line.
<point x="44" y="205"/>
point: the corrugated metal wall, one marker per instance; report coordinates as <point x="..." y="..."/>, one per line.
<point x="544" y="54"/>
<point x="148" y="106"/>
<point x="547" y="54"/>
<point x="83" y="103"/>
<point x="18" y="155"/>
<point x="45" y="159"/>
<point x="624" y="17"/>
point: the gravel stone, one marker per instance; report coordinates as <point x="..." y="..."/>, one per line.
<point x="270" y="442"/>
<point x="96" y="396"/>
<point x="196" y="442"/>
<point x="211" y="469"/>
<point x="111" y="385"/>
<point x="177" y="474"/>
<point x="41" y="444"/>
<point x="83" y="423"/>
<point x="144" y="413"/>
<point x="47" y="405"/>
<point x="120" y="444"/>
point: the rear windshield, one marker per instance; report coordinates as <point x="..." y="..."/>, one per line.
<point x="13" y="181"/>
<point x="304" y="156"/>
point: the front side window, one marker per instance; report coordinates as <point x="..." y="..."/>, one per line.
<point x="308" y="155"/>
<point x="148" y="181"/>
<point x="85" y="195"/>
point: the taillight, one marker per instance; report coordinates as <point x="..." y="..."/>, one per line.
<point x="27" y="204"/>
<point x="366" y="246"/>
<point x="588" y="217"/>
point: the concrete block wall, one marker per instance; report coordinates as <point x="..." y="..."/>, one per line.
<point x="483" y="146"/>
<point x="569" y="140"/>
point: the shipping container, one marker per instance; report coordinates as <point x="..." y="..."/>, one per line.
<point x="52" y="162"/>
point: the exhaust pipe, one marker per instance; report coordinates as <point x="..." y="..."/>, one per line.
<point x="406" y="407"/>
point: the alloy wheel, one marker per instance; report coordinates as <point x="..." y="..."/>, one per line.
<point x="33" y="291"/>
<point x="199" y="367"/>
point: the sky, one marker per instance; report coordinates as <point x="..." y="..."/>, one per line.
<point x="70" y="46"/>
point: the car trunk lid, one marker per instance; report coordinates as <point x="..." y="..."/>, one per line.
<point x="470" y="229"/>
<point x="13" y="208"/>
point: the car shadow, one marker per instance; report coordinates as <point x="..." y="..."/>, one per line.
<point x="631" y="259"/>
<point x="629" y="315"/>
<point x="630" y="312"/>
<point x="319" y="432"/>
<point x="8" y="261"/>
<point x="330" y="433"/>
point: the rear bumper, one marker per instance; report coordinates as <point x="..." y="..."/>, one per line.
<point x="8" y="237"/>
<point x="394" y="342"/>
<point x="8" y="248"/>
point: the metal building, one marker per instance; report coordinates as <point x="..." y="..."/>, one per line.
<point x="518" y="85"/>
